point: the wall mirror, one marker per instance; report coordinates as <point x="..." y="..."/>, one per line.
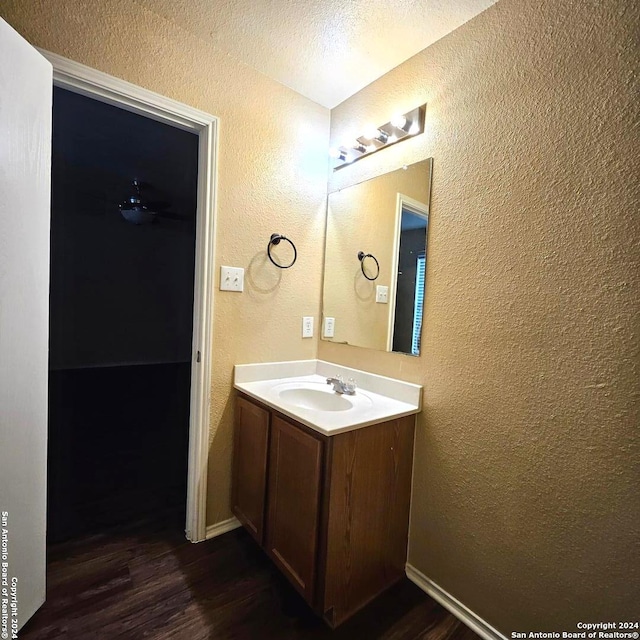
<point x="375" y="261"/>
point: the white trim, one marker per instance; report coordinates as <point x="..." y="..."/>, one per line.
<point x="214" y="530"/>
<point x="420" y="209"/>
<point x="101" y="86"/>
<point x="459" y="610"/>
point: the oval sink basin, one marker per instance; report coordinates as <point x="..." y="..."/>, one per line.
<point x="316" y="399"/>
<point x="307" y="398"/>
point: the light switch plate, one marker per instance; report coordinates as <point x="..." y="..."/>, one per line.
<point x="382" y="294"/>
<point x="231" y="279"/>
<point x="307" y="327"/>
<point x="329" y="327"/>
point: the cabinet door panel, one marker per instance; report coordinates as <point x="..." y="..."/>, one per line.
<point x="251" y="437"/>
<point x="294" y="503"/>
<point x="368" y="515"/>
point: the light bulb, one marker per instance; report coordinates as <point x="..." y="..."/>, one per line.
<point x="399" y="121"/>
<point x="371" y="132"/>
<point x="413" y="129"/>
<point x="338" y="153"/>
<point x="392" y="138"/>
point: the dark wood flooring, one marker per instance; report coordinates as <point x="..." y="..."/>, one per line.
<point x="154" y="584"/>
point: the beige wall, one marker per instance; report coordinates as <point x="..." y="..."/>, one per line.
<point x="271" y="178"/>
<point x="363" y="218"/>
<point x="525" y="498"/>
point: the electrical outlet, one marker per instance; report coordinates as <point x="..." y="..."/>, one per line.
<point x="329" y="327"/>
<point x="382" y="294"/>
<point x="307" y="327"/>
<point x="231" y="279"/>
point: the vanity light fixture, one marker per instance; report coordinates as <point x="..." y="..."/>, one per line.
<point x="400" y="127"/>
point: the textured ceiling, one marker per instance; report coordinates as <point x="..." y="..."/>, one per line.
<point x="327" y="50"/>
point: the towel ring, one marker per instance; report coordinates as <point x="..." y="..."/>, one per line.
<point x="275" y="240"/>
<point x="361" y="256"/>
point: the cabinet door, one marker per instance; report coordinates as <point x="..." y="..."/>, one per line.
<point x="250" y="445"/>
<point x="295" y="469"/>
<point x="368" y="522"/>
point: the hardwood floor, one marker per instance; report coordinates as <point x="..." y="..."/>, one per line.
<point x="156" y="585"/>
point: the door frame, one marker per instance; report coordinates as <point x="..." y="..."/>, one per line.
<point x="420" y="209"/>
<point x="89" y="82"/>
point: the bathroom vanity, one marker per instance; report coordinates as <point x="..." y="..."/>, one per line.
<point x="323" y="481"/>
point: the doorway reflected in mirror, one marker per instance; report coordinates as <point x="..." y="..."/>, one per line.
<point x="410" y="271"/>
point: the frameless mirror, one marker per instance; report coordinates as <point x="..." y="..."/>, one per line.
<point x="375" y="261"/>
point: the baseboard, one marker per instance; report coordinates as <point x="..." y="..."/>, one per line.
<point x="460" y="611"/>
<point x="219" y="528"/>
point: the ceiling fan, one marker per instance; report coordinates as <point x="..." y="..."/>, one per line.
<point x="137" y="210"/>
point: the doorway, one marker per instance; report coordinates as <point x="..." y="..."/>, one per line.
<point x="121" y="317"/>
<point x="410" y="283"/>
<point x="106" y="89"/>
<point x="408" y="276"/>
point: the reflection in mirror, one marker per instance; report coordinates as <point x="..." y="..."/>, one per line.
<point x="386" y="217"/>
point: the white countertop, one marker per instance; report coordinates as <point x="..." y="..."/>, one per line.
<point x="377" y="398"/>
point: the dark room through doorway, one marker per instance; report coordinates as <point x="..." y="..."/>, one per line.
<point x="121" y="318"/>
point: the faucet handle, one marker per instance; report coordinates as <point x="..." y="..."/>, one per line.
<point x="350" y="385"/>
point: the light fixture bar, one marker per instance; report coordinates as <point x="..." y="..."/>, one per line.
<point x="400" y="127"/>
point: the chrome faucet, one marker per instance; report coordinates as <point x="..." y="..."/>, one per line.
<point x="340" y="386"/>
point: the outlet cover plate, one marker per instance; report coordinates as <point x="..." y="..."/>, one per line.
<point x="329" y="327"/>
<point x="307" y="327"/>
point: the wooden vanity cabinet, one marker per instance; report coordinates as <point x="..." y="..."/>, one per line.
<point x="249" y="480"/>
<point x="333" y="514"/>
<point x="293" y="511"/>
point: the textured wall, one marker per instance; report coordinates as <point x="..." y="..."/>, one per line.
<point x="525" y="499"/>
<point x="267" y="180"/>
<point x="363" y="218"/>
